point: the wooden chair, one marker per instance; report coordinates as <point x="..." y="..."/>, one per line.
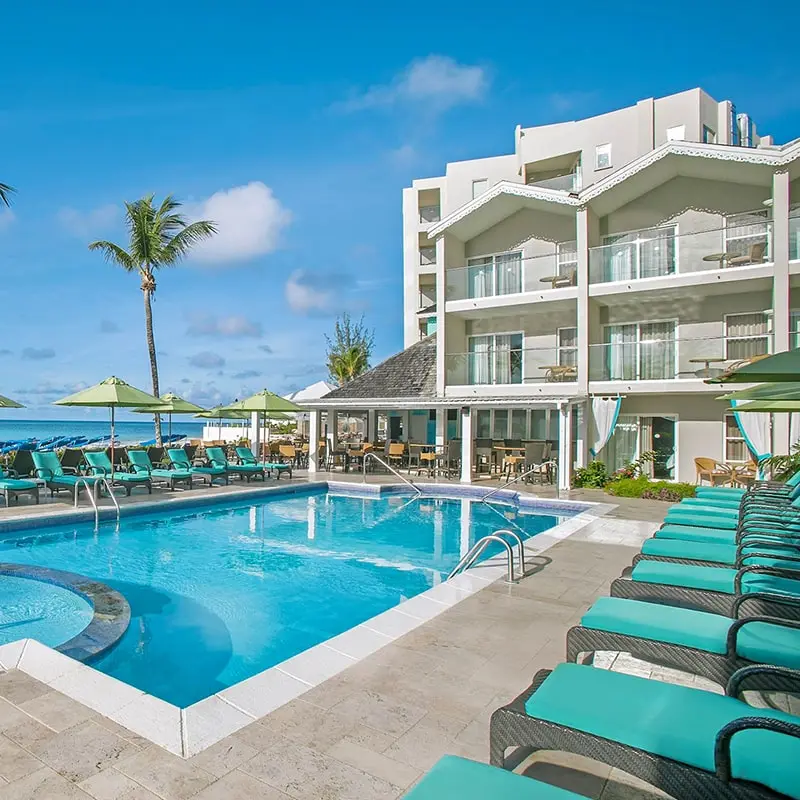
<point x="396" y="453"/>
<point x="427" y="463"/>
<point x="755" y="256"/>
<point x="288" y="453"/>
<point x="712" y="470"/>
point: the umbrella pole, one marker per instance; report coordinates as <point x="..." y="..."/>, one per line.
<point x="170" y="426"/>
<point x="112" y="443"/>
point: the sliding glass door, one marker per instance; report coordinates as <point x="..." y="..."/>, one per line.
<point x="495" y="358"/>
<point x="644" y="351"/>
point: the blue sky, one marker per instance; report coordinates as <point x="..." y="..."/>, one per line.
<point x="295" y="127"/>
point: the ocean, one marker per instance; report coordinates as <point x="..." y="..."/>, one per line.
<point x="127" y="432"/>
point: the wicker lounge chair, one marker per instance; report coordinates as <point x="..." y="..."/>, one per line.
<point x="689" y="743"/>
<point x="141" y="465"/>
<point x="100" y="464"/>
<point x="709" y="645"/>
<point x="12" y="487"/>
<point x="750" y="549"/>
<point x="246" y="457"/>
<point x="718" y="590"/>
<point x="180" y="459"/>
<point x="454" y="777"/>
<point x="244" y="471"/>
<point x="72" y="459"/>
<point x="57" y="479"/>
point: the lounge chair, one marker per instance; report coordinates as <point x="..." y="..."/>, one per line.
<point x="100" y="464"/>
<point x="709" y="645"/>
<point x="454" y="777"/>
<point x="156" y="456"/>
<point x="141" y="465"/>
<point x="12" y="487"/>
<point x="22" y="466"/>
<point x="751" y="549"/>
<point x="72" y="458"/>
<point x="57" y="479"/>
<point x="179" y="459"/>
<point x="687" y="742"/>
<point x="244" y="471"/>
<point x="246" y="458"/>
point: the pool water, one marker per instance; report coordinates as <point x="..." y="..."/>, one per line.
<point x="37" y="610"/>
<point x="220" y="593"/>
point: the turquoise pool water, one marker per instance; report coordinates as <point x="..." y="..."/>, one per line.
<point x="37" y="610"/>
<point x="220" y="593"/>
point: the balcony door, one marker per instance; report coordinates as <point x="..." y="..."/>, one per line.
<point x="496" y="358"/>
<point x="640" y="351"/>
<point x="493" y="275"/>
<point x="640" y="254"/>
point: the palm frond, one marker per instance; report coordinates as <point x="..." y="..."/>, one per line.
<point x="5" y="192"/>
<point x="184" y="240"/>
<point x="115" y="254"/>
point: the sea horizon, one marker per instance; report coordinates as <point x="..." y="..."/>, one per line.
<point x="126" y="431"/>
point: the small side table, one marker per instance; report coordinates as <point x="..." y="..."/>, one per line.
<point x="720" y="258"/>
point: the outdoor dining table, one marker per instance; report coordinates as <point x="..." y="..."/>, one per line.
<point x="557" y="281"/>
<point x="559" y="372"/>
<point x="706" y="373"/>
<point x="721" y="258"/>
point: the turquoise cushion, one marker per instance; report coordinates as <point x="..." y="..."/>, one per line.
<point x="719" y="491"/>
<point x="277" y="466"/>
<point x="454" y="778"/>
<point x="245" y="468"/>
<point x="710" y="502"/>
<point x="698" y="551"/>
<point x="209" y="470"/>
<point x="17" y="486"/>
<point x="129" y="477"/>
<point x="671" y="721"/>
<point x="690" y="533"/>
<point x="701" y="520"/>
<point x="769" y="644"/>
<point x="183" y="474"/>
<point x="660" y="623"/>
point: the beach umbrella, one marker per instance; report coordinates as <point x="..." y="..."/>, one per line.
<point x="112" y="393"/>
<point x="765" y="391"/>
<point x="769" y="406"/>
<point x="6" y="402"/>
<point x="172" y="404"/>
<point x="780" y="368"/>
<point x="266" y="404"/>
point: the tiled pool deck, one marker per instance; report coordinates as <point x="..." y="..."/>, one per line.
<point x="370" y="731"/>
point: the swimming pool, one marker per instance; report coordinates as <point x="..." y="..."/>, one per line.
<point x="220" y="593"/>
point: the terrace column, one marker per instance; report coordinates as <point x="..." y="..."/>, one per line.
<point x="332" y="433"/>
<point x="466" y="444"/>
<point x="314" y="431"/>
<point x="564" y="446"/>
<point x="372" y="425"/>
<point x="781" y="303"/>
<point x="587" y="234"/>
<point x="583" y="411"/>
<point x="441" y="427"/>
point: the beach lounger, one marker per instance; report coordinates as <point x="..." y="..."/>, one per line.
<point x="72" y="458"/>
<point x="245" y="456"/>
<point x="687" y="742"/>
<point x="12" y="487"/>
<point x="180" y="459"/>
<point x="100" y="464"/>
<point x="455" y="778"/>
<point x="244" y="471"/>
<point x="709" y="645"/>
<point x="57" y="479"/>
<point x="22" y="465"/>
<point x="718" y="590"/>
<point x="751" y="549"/>
<point x="141" y="465"/>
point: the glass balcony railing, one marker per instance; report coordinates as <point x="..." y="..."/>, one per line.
<point x="427" y="256"/>
<point x="564" y="183"/>
<point x="509" y="366"/>
<point x="662" y="251"/>
<point x="674" y="359"/>
<point x="430" y="213"/>
<point x="427" y="301"/>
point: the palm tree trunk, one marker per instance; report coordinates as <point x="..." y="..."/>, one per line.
<point x="151" y="351"/>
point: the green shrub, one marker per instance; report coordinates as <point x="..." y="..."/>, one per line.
<point x="628" y="487"/>
<point x="650" y="490"/>
<point x="593" y="476"/>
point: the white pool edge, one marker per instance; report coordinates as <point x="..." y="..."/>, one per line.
<point x="188" y="731"/>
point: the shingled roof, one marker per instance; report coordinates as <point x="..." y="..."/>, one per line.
<point x="409" y="374"/>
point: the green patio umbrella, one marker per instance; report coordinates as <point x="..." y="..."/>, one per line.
<point x="112" y="393"/>
<point x="780" y="368"/>
<point x="172" y="404"/>
<point x="266" y="404"/>
<point x="769" y="406"/>
<point x="766" y="391"/>
<point x="6" y="402"/>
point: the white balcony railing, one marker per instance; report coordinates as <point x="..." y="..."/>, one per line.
<point x="507" y="366"/>
<point x="564" y="183"/>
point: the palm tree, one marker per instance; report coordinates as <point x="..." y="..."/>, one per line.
<point x="158" y="237"/>
<point x="349" y="350"/>
<point x="348" y="364"/>
<point x="5" y="191"/>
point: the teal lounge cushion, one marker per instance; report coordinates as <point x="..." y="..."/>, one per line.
<point x="701" y="520"/>
<point x="250" y="468"/>
<point x="698" y="551"/>
<point x="277" y="466"/>
<point x="710" y="502"/>
<point x="719" y="491"/>
<point x="454" y="778"/>
<point x="669" y="720"/>
<point x="130" y="477"/>
<point x="765" y="643"/>
<point x="172" y="474"/>
<point x="14" y="485"/>
<point x="209" y="470"/>
<point x="653" y="621"/>
<point x="690" y="533"/>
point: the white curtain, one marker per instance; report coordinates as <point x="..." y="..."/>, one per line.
<point x="502" y="359"/>
<point x="605" y="413"/>
<point x="756" y="430"/>
<point x="656" y="252"/>
<point x="480" y="349"/>
<point x="620" y="260"/>
<point x="620" y="352"/>
<point x="481" y="279"/>
<point x="794" y="430"/>
<point x="509" y="273"/>
<point x="657" y="351"/>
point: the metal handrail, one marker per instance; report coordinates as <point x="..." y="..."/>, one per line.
<point x="472" y="556"/>
<point x="513" y="480"/>
<point x="90" y="493"/>
<point x="112" y="496"/>
<point x="520" y="542"/>
<point x="370" y="454"/>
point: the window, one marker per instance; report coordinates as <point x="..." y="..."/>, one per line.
<point x="500" y="427"/>
<point x="479" y="187"/>
<point x="492" y="275"/>
<point x="709" y="136"/>
<point x="567" y="257"/>
<point x="538" y="424"/>
<point x="602" y="156"/>
<point x="643" y="351"/>
<point x="567" y="347"/>
<point x="483" y="424"/>
<point x="747" y="335"/>
<point x="735" y="445"/>
<point x="676" y="134"/>
<point x="427" y="256"/>
<point x="794" y="330"/>
<point x="519" y="423"/>
<point x="639" y="254"/>
<point x="496" y="358"/>
<point x="748" y="235"/>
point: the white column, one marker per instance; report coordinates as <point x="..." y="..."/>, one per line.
<point x="586" y="233"/>
<point x="314" y="423"/>
<point x="372" y="425"/>
<point x="466" y="445"/>
<point x="781" y="303"/>
<point x="583" y="410"/>
<point x="406" y="415"/>
<point x="332" y="436"/>
<point x="441" y="427"/>
<point x="564" y="446"/>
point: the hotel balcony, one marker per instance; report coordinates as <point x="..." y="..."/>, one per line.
<point x="428" y="214"/>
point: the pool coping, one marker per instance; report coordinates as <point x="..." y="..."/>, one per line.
<point x="188" y="731"/>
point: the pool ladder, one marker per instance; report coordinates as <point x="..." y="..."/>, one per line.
<point x="389" y="467"/>
<point x="90" y="489"/>
<point x="497" y="536"/>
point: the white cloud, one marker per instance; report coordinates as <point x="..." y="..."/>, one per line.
<point x="249" y="220"/>
<point x="207" y="360"/>
<point x="235" y="326"/>
<point x="314" y="293"/>
<point x="437" y="81"/>
<point x="86" y="224"/>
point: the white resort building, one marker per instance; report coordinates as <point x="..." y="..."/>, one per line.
<point x="581" y="288"/>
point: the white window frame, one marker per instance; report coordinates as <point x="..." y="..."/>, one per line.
<point x="494" y="257"/>
<point x="601" y="150"/>
<point x="794" y="329"/>
<point x="638" y="343"/>
<point x="726" y="224"/>
<point x="740" y="438"/>
<point x="560" y="348"/>
<point x="768" y="335"/>
<point x="566" y="266"/>
<point x="427" y="248"/>
<point x="709" y="135"/>
<point x="676" y="133"/>
<point x="493" y="349"/>
<point x="638" y="243"/>
<point x="479" y="181"/>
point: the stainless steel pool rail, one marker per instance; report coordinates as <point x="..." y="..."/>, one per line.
<point x="90" y="490"/>
<point x="390" y="468"/>
<point x="508" y="483"/>
<point x="477" y="549"/>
